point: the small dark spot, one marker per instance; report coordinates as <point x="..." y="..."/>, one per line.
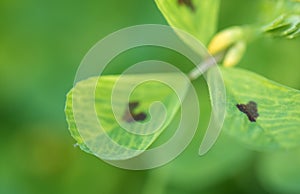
<point x="133" y="105"/>
<point x="130" y="116"/>
<point x="139" y="117"/>
<point x="187" y="3"/>
<point x="250" y="110"/>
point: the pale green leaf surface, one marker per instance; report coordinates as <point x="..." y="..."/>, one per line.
<point x="201" y="22"/>
<point x="91" y="139"/>
<point x="279" y="172"/>
<point x="278" y="123"/>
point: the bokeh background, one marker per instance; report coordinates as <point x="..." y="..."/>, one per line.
<point x="41" y="46"/>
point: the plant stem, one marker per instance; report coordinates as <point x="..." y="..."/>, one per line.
<point x="205" y="65"/>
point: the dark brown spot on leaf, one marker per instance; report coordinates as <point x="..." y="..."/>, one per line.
<point x="133" y="105"/>
<point x="187" y="3"/>
<point x="250" y="110"/>
<point x="130" y="116"/>
<point x="139" y="117"/>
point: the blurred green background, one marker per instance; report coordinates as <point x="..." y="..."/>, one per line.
<point x="41" y="46"/>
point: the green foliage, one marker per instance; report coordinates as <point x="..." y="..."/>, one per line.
<point x="283" y="19"/>
<point x="284" y="26"/>
<point x="42" y="43"/>
<point x="146" y="93"/>
<point x="278" y="123"/>
<point x="199" y="20"/>
<point x="275" y="128"/>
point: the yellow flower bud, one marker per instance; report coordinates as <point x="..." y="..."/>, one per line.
<point x="225" y="39"/>
<point x="234" y="54"/>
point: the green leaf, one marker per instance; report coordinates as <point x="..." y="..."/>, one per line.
<point x="285" y="19"/>
<point x="284" y="26"/>
<point x="110" y="99"/>
<point x="279" y="172"/>
<point x="197" y="17"/>
<point x="278" y="123"/>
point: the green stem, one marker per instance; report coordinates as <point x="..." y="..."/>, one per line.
<point x="205" y="65"/>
